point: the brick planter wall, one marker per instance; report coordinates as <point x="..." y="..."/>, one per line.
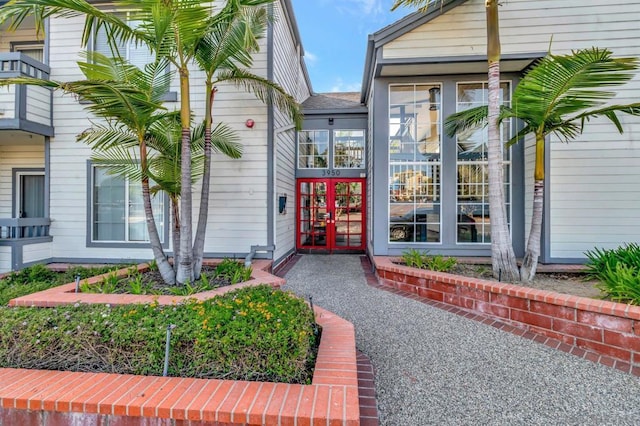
<point x="608" y="328"/>
<point x="38" y="397"/>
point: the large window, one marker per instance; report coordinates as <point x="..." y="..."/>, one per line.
<point x="117" y="209"/>
<point x="415" y="145"/>
<point x="473" y="221"/>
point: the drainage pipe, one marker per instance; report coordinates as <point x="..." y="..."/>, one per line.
<point x="255" y="250"/>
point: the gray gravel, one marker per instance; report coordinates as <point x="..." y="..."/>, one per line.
<point x="437" y="368"/>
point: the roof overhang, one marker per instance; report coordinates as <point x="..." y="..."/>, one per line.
<point x="476" y="64"/>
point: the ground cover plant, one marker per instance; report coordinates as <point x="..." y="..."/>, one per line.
<point x="227" y="272"/>
<point x="618" y="271"/>
<point x="254" y="333"/>
<point x="38" y="277"/>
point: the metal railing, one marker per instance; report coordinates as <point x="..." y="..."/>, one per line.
<point x="23" y="228"/>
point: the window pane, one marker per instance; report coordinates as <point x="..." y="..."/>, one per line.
<point x="313" y="149"/>
<point x="348" y="149"/>
<point x="108" y="207"/>
<point x="473" y="220"/>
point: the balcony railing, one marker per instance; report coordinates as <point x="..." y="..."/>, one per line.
<point x="23" y="228"/>
<point x="22" y="107"/>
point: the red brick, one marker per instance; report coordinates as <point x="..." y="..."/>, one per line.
<point x="626" y="341"/>
<point x="239" y="414"/>
<point x="609" y="322"/>
<point x="570" y="340"/>
<point x="442" y="287"/>
<point x="321" y="406"/>
<point x="531" y="319"/>
<point x="306" y="405"/>
<point x="430" y="294"/>
<point x="510" y="301"/>
<point x="473" y="293"/>
<point x="491" y="309"/>
<point x="553" y="310"/>
<point x="578" y="330"/>
<point x="606" y="350"/>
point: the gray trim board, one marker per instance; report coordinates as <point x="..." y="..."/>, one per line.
<point x="545" y="238"/>
<point x="271" y="163"/>
<point x="47" y="176"/>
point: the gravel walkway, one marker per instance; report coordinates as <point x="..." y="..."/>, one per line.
<point x="437" y="368"/>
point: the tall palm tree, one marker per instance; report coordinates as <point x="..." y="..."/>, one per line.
<point x="558" y="95"/>
<point x="225" y="55"/>
<point x="503" y="258"/>
<point x="130" y="102"/>
<point x="174" y="30"/>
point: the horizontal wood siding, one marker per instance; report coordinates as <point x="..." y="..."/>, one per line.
<point x="39" y="105"/>
<point x="36" y="252"/>
<point x="5" y="259"/>
<point x="288" y="73"/>
<point x="8" y="102"/>
<point x="24" y="34"/>
<point x="593" y="182"/>
<point x="21" y="153"/>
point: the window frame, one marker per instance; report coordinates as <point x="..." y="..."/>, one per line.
<point x="91" y="242"/>
<point x="332" y="144"/>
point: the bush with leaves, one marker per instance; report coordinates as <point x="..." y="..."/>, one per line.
<point x="618" y="271"/>
<point x="38" y="277"/>
<point x="254" y="333"/>
<point x="418" y="259"/>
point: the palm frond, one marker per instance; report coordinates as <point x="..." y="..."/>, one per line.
<point x="224" y="140"/>
<point x="465" y="120"/>
<point x="421" y="5"/>
<point x="267" y="91"/>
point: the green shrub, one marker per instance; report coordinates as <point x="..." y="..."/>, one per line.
<point x="38" y="277"/>
<point x="417" y="259"/>
<point x="234" y="271"/>
<point x="618" y="271"/>
<point x="254" y="333"/>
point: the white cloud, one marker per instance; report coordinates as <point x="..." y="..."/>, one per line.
<point x="310" y="58"/>
<point x="340" y="86"/>
<point x="360" y="7"/>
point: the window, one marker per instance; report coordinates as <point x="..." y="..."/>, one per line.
<point x="474" y="223"/>
<point x="136" y="54"/>
<point x="33" y="50"/>
<point x="348" y="149"/>
<point x="118" y="211"/>
<point x="415" y="145"/>
<point x="313" y="149"/>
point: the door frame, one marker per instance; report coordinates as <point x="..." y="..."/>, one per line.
<point x="330" y="230"/>
<point x="16" y="188"/>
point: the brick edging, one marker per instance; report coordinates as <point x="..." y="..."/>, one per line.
<point x="607" y="330"/>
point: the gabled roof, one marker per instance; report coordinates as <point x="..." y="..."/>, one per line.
<point x="333" y="103"/>
<point x="377" y="66"/>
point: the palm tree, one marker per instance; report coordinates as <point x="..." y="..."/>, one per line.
<point x="130" y="102"/>
<point x="558" y="95"/>
<point x="174" y="30"/>
<point x="503" y="258"/>
<point x="225" y="55"/>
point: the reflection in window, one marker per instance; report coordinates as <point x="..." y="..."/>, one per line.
<point x="348" y="149"/>
<point x="414" y="163"/>
<point x="313" y="149"/>
<point x="414" y="123"/>
<point x="118" y="210"/>
<point x="473" y="221"/>
<point x="136" y="53"/>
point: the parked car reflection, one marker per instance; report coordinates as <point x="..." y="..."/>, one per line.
<point x="422" y="224"/>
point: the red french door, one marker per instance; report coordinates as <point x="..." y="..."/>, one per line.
<point x="331" y="214"/>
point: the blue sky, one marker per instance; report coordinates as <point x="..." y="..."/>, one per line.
<point x="334" y="36"/>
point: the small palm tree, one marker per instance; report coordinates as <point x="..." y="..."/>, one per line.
<point x="558" y="95"/>
<point x="503" y="257"/>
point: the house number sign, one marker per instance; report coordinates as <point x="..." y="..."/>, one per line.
<point x="330" y="172"/>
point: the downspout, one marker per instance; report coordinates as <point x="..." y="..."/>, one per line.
<point x="255" y="250"/>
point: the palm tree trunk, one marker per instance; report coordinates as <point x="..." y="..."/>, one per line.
<point x="198" y="245"/>
<point x="530" y="261"/>
<point x="503" y="258"/>
<point x="175" y="232"/>
<point x="164" y="267"/>
<point x="185" y="254"/>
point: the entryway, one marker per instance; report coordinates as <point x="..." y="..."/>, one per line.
<point x="331" y="215"/>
